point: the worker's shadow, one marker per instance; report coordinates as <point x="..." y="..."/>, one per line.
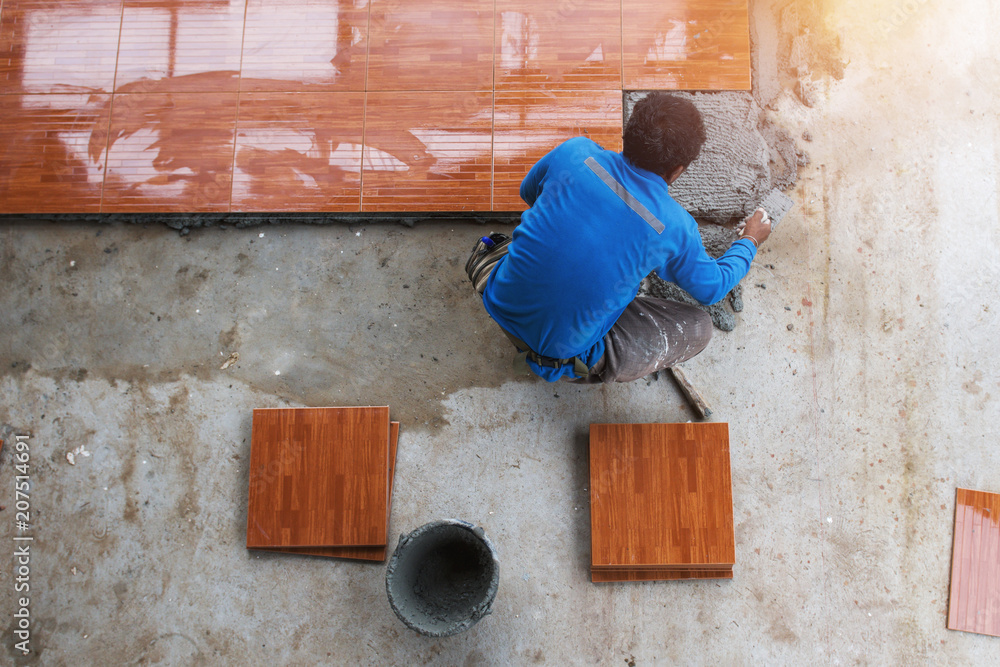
<point x="580" y="481"/>
<point x="242" y="472"/>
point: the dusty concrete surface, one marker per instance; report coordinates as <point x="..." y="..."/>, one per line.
<point x="850" y="429"/>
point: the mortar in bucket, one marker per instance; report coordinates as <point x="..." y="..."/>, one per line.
<point x="443" y="577"/>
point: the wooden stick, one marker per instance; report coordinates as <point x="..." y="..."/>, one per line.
<point x="694" y="398"/>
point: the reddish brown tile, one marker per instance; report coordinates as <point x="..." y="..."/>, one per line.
<point x="686" y="45"/>
<point x="298" y="152"/>
<point x="527" y="125"/>
<point x="170" y="152"/>
<point x="974" y="604"/>
<point x="661" y="497"/>
<point x="431" y="45"/>
<point x="318" y="477"/>
<point x="163" y="39"/>
<point x="59" y="47"/>
<point x="615" y="576"/>
<point x="559" y="45"/>
<point x="356" y="553"/>
<point x="427" y="151"/>
<point x="52" y="153"/>
<point x="305" y="45"/>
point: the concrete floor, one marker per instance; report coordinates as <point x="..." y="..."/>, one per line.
<point x="850" y="430"/>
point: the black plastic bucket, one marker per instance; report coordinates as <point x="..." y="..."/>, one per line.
<point x="443" y="577"/>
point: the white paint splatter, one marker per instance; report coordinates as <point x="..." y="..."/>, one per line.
<point x="79" y="451"/>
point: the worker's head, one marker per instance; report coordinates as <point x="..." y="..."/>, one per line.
<point x="664" y="134"/>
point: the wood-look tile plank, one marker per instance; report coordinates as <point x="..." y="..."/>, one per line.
<point x="615" y="576"/>
<point x="427" y="151"/>
<point x="358" y="553"/>
<point x="665" y="568"/>
<point x="661" y="495"/>
<point x="305" y="45"/>
<point x="170" y="152"/>
<point x="318" y="477"/>
<point x="686" y="45"/>
<point x="528" y="124"/>
<point x="431" y="45"/>
<point x="58" y="47"/>
<point x="974" y="604"/>
<point x="558" y="45"/>
<point x="52" y="153"/>
<point x="163" y="39"/>
<point x="298" y="152"/>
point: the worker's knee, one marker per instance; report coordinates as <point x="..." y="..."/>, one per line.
<point x="702" y="329"/>
<point x="702" y="322"/>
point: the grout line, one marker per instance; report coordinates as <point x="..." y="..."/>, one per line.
<point x="239" y="97"/>
<point x="118" y="49"/>
<point x="621" y="48"/>
<point x="749" y="53"/>
<point x="364" y="112"/>
<point x="111" y="107"/>
<point x="493" y="115"/>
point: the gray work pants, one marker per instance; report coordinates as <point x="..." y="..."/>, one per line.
<point x="651" y="334"/>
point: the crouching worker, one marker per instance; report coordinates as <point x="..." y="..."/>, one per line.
<point x="564" y="287"/>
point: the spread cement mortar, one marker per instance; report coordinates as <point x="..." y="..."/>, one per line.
<point x="443" y="578"/>
<point x="743" y="159"/>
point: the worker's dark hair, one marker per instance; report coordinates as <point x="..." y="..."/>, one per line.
<point x="664" y="132"/>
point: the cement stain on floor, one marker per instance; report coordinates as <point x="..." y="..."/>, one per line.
<point x="322" y="321"/>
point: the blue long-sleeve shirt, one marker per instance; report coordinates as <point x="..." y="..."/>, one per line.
<point x="582" y="249"/>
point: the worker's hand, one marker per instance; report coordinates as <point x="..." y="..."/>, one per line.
<point x="757" y="227"/>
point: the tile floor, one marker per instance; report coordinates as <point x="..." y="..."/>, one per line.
<point x="337" y="105"/>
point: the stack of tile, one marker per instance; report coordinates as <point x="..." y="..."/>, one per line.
<point x="661" y="502"/>
<point x="321" y="481"/>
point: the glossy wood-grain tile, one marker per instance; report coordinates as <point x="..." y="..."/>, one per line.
<point x="170" y="152"/>
<point x="298" y="152"/>
<point x="377" y="553"/>
<point x="163" y="39"/>
<point x="558" y="45"/>
<point x="428" y="71"/>
<point x="431" y="45"/>
<point x="613" y="576"/>
<point x="527" y="125"/>
<point x="686" y="45"/>
<point x="305" y="45"/>
<point x="318" y="477"/>
<point x="427" y="151"/>
<point x="52" y="153"/>
<point x="974" y="604"/>
<point x="59" y="47"/>
<point x="661" y="495"/>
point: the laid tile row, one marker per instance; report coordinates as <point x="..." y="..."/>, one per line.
<point x="98" y="46"/>
<point x="267" y="151"/>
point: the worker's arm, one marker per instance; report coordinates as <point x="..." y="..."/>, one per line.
<point x="531" y="186"/>
<point x="709" y="280"/>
